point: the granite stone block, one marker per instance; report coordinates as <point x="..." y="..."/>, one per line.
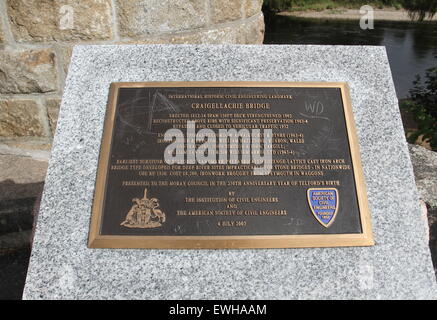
<point x="397" y="267"/>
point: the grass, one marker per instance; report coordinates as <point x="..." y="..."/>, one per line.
<point x="318" y="6"/>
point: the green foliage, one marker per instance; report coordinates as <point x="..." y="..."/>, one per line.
<point x="420" y="9"/>
<point x="423" y="106"/>
<point x="277" y="5"/>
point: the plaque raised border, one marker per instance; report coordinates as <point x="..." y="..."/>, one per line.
<point x="96" y="240"/>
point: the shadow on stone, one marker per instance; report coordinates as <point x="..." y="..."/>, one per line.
<point x="432" y="221"/>
<point x="13" y="268"/>
<point x="19" y="204"/>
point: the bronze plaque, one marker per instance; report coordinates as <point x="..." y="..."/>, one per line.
<point x="229" y="165"/>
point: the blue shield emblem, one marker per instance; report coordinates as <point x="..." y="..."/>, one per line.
<point x="323" y="204"/>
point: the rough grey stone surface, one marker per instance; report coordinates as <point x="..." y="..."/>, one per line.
<point x="425" y="171"/>
<point x="139" y="18"/>
<point x="48" y="20"/>
<point x="27" y="71"/>
<point x="398" y="266"/>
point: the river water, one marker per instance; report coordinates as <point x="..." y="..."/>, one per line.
<point x="411" y="47"/>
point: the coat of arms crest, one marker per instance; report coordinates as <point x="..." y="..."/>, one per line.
<point x="144" y="213"/>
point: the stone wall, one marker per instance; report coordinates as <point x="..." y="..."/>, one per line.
<point x="37" y="36"/>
